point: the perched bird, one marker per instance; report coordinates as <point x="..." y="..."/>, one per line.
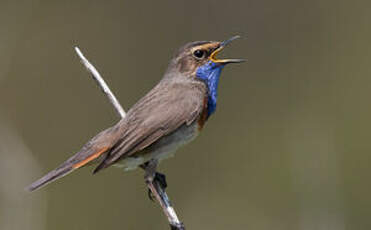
<point x="167" y="117"/>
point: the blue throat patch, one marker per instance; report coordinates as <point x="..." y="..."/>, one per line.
<point x="210" y="73"/>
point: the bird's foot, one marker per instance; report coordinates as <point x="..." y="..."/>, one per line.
<point x="160" y="180"/>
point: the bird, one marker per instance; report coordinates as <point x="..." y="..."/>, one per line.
<point x="170" y="115"/>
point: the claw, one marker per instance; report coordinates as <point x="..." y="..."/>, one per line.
<point x="160" y="179"/>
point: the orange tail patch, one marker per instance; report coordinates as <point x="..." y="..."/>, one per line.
<point x="90" y="158"/>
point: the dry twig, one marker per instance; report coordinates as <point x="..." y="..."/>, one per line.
<point x="155" y="188"/>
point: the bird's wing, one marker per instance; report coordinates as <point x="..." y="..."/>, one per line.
<point x="159" y="113"/>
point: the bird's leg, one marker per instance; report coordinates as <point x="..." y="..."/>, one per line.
<point x="150" y="168"/>
<point x="159" y="179"/>
<point x="156" y="187"/>
<point x="152" y="178"/>
<point x="156" y="177"/>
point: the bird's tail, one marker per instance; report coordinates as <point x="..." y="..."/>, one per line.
<point x="57" y="173"/>
<point x="80" y="159"/>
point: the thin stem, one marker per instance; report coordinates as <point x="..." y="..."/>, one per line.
<point x="101" y="83"/>
<point x="175" y="223"/>
<point x="155" y="188"/>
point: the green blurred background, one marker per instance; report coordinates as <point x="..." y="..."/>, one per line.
<point x="289" y="146"/>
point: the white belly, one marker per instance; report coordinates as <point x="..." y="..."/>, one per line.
<point x="163" y="148"/>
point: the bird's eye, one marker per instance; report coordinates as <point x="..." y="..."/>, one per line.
<point x="198" y="54"/>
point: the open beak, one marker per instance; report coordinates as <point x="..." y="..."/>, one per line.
<point x="221" y="46"/>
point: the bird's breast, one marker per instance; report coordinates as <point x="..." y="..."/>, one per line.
<point x="204" y="115"/>
<point x="163" y="148"/>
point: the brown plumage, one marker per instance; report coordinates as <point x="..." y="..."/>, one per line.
<point x="171" y="114"/>
<point x="177" y="103"/>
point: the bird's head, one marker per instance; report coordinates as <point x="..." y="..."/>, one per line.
<point x="198" y="59"/>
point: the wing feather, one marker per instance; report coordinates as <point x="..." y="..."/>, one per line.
<point x="158" y="114"/>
